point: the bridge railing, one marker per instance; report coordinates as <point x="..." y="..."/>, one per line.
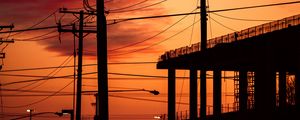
<point x="239" y="35"/>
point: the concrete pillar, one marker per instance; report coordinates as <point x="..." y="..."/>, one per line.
<point x="282" y="90"/>
<point x="297" y="87"/>
<point x="243" y="92"/>
<point x="193" y="94"/>
<point x="171" y="94"/>
<point x="217" y="88"/>
<point x="203" y="94"/>
<point x="265" y="92"/>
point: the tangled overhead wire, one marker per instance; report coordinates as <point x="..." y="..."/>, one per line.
<point x="87" y="6"/>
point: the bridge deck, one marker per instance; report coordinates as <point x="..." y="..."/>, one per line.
<point x="280" y="49"/>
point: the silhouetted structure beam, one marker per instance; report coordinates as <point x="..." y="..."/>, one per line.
<point x="193" y="94"/>
<point x="203" y="97"/>
<point x="297" y="87"/>
<point x="79" y="75"/>
<point x="102" y="61"/>
<point x="282" y="90"/>
<point x="171" y="94"/>
<point x="203" y="34"/>
<point x="243" y="93"/>
<point x="265" y="92"/>
<point x="217" y="88"/>
<point x="264" y="54"/>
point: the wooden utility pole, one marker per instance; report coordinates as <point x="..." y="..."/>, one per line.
<point x="79" y="70"/>
<point x="79" y="74"/>
<point x="203" y="30"/>
<point x="2" y="55"/>
<point x="102" y="62"/>
<point x="80" y="55"/>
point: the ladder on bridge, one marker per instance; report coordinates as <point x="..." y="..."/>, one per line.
<point x="236" y="90"/>
<point x="250" y="90"/>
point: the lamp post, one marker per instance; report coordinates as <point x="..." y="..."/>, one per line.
<point x="66" y="112"/>
<point x="154" y="92"/>
<point x="30" y="113"/>
<point x="63" y="112"/>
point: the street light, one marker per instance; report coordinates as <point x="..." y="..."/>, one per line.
<point x="157" y="117"/>
<point x="66" y="112"/>
<point x="154" y="92"/>
<point x="30" y="113"/>
<point x="63" y="112"/>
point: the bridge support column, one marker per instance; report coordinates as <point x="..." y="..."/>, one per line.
<point x="243" y="93"/>
<point x="193" y="94"/>
<point x="203" y="94"/>
<point x="282" y="90"/>
<point x="265" y="92"/>
<point x="217" y="89"/>
<point x="171" y="94"/>
<point x="297" y="87"/>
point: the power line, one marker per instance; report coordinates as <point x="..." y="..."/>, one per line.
<point x="138" y="76"/>
<point x="157" y="42"/>
<point x="129" y="45"/>
<point x="41" y="100"/>
<point x="38" y="22"/>
<point x="27" y="40"/>
<point x="222" y="24"/>
<point x="89" y="73"/>
<point x="143" y="99"/>
<point x="212" y="11"/>
<point x="43" y="35"/>
<point x="33" y="29"/>
<point x="117" y="11"/>
<point x="71" y="66"/>
<point x="160" y="16"/>
<point x="211" y="33"/>
<point x="241" y="19"/>
<point x="30" y="91"/>
<point x="87" y="7"/>
<point x="41" y="79"/>
<point x="51" y="74"/>
<point x="256" y="6"/>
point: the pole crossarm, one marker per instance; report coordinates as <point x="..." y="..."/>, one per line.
<point x="65" y="10"/>
<point x="2" y="55"/>
<point x="6" y="40"/>
<point x="7" y="26"/>
<point x="73" y="30"/>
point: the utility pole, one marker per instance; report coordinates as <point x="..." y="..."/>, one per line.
<point x="102" y="62"/>
<point x="203" y="30"/>
<point x="80" y="54"/>
<point x="2" y="55"/>
<point x="79" y="76"/>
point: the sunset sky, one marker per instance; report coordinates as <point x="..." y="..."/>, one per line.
<point x="39" y="52"/>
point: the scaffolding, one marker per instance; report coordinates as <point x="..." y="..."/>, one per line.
<point x="250" y="90"/>
<point x="236" y="90"/>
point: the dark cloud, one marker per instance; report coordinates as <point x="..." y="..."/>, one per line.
<point x="23" y="13"/>
<point x="119" y="35"/>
